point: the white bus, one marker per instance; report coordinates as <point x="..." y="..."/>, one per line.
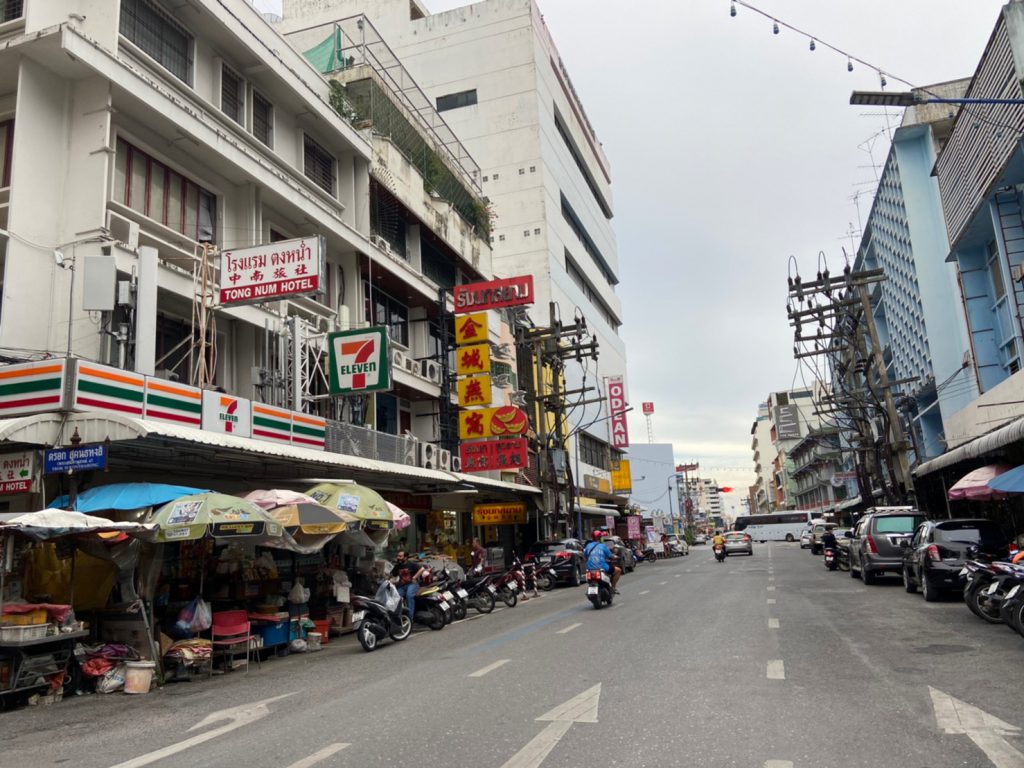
<point x="779" y="526"/>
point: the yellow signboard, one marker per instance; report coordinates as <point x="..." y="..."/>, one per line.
<point x="475" y="390"/>
<point x="499" y="514"/>
<point x="473" y="359"/>
<point x="471" y="329"/>
<point x="492" y="422"/>
<point x="622" y="480"/>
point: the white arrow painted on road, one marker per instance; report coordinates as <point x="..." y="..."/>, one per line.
<point x="985" y="730"/>
<point x="236" y="717"/>
<point x="578" y="709"/>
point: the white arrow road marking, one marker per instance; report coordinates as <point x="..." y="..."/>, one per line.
<point x="322" y="754"/>
<point x="985" y="730"/>
<point x="568" y="629"/>
<point x="578" y="709"/>
<point x="776" y="670"/>
<point x="773" y="623"/>
<point x="237" y="717"/>
<point x="490" y="668"/>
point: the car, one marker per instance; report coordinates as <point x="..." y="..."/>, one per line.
<point x="625" y="554"/>
<point x="700" y="538"/>
<point x="678" y="545"/>
<point x="569" y="562"/>
<point x="817" y="530"/>
<point x="737" y="542"/>
<point x="805" y="538"/>
<point x="875" y="542"/>
<point x="933" y="558"/>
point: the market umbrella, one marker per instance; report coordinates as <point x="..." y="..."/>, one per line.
<point x="299" y="513"/>
<point x="400" y="516"/>
<point x="974" y="485"/>
<point x="358" y="500"/>
<point x="126" y="496"/>
<point x="56" y="523"/>
<point x="212" y="514"/>
<point x="1011" y="481"/>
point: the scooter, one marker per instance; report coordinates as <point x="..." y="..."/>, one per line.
<point x="719" y="551"/>
<point x="831" y="561"/>
<point x="432" y="609"/>
<point x="380" y="617"/>
<point x="599" y="589"/>
<point x="480" y="590"/>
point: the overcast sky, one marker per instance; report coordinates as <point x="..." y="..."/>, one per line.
<point x="732" y="149"/>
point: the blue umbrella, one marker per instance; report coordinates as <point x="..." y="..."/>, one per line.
<point x="1009" y="482"/>
<point x="126" y="496"/>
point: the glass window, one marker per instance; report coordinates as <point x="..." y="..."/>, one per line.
<point x="318" y="165"/>
<point x="262" y="119"/>
<point x="387" y="311"/>
<point x="456" y="100"/>
<point x="896" y="523"/>
<point x="6" y="147"/>
<point x="159" y="35"/>
<point x="971" y="532"/>
<point x="231" y="95"/>
<point x="11" y="10"/>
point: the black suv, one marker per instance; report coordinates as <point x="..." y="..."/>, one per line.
<point x="566" y="556"/>
<point x="875" y="543"/>
<point x="933" y="558"/>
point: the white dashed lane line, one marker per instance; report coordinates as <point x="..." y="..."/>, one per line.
<point x="776" y="670"/>
<point x="568" y="629"/>
<point x="490" y="668"/>
<point x="318" y="756"/>
<point x="778" y="764"/>
<point x="644" y="592"/>
<point x="771" y="601"/>
<point x="773" y="623"/>
<point x="771" y="588"/>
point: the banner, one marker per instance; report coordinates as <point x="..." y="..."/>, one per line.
<point x="359" y="361"/>
<point x="272" y="271"/>
<point x="617" y="407"/>
<point x="622" y="478"/>
<point x="494" y="455"/>
<point x="499" y="514"/>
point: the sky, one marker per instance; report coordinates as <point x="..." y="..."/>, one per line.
<point x="733" y="149"/>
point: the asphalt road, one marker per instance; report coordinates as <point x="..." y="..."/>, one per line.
<point x="694" y="665"/>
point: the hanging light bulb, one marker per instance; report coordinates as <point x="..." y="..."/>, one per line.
<point x="732" y="9"/>
<point x="849" y="64"/>
<point x="775" y="27"/>
<point x="813" y="46"/>
<point x="881" y="79"/>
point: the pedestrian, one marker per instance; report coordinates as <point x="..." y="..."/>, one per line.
<point x="406" y="575"/>
<point x="479" y="555"/>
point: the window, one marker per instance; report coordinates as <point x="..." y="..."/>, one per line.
<point x="592" y="451"/>
<point x="262" y="119"/>
<point x="159" y="36"/>
<point x="150" y="188"/>
<point x="578" y="159"/>
<point x="6" y="148"/>
<point x="588" y="245"/>
<point x="232" y="95"/>
<point x="456" y="100"/>
<point x="1005" y="323"/>
<point x="382" y="309"/>
<point x="577" y="276"/>
<point x="11" y="9"/>
<point x="318" y="165"/>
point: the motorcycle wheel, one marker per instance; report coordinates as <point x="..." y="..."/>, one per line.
<point x="404" y="628"/>
<point x="436" y="620"/>
<point x="508" y="597"/>
<point x="981" y="609"/>
<point x="1017" y="620"/>
<point x="545" y="582"/>
<point x="459" y="611"/>
<point x="609" y="596"/>
<point x="483" y="601"/>
<point x="367" y="638"/>
<point x="596" y="600"/>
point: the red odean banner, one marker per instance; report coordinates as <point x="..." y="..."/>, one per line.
<point x="617" y="407"/>
<point x="489" y="455"/>
<point x="494" y="294"/>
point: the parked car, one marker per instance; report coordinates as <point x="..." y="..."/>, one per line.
<point x="805" y="538"/>
<point x="875" y="543"/>
<point x="817" y="531"/>
<point x="678" y="545"/>
<point x="934" y="557"/>
<point x="621" y="551"/>
<point x="565" y="555"/>
<point x="738" y="543"/>
<point x="700" y="538"/>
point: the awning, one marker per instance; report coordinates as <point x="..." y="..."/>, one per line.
<point x="848" y="503"/>
<point x="1009" y="482"/>
<point x="974" y="485"/>
<point x="586" y="509"/>
<point x="980" y="446"/>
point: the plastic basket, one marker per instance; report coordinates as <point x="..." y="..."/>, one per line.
<point x="38" y="616"/>
<point x="21" y="633"/>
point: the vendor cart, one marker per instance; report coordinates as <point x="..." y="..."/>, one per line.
<point x="33" y="660"/>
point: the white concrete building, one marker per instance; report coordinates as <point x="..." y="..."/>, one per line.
<point x="497" y="79"/>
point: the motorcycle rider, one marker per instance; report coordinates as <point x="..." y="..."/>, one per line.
<point x="718" y="542"/>
<point x="828" y="541"/>
<point x="599" y="558"/>
<point x="406" y="574"/>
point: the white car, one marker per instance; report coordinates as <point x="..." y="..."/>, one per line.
<point x="806" y="536"/>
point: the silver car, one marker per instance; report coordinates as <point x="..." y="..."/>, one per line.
<point x="738" y="543"/>
<point x="806" y="537"/>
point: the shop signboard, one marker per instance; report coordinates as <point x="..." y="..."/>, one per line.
<point x="174" y="403"/>
<point x="475" y="390"/>
<point x="787" y="422"/>
<point x="491" y="455"/>
<point x="31" y="387"/>
<point x="308" y="430"/>
<point x="359" y="361"/>
<point x="622" y="479"/>
<point x="609" y="522"/>
<point x="473" y="359"/>
<point x="633" y="526"/>
<point x="226" y="414"/>
<point x="272" y="424"/>
<point x="494" y="294"/>
<point x="648" y="408"/>
<point x="492" y="422"/>
<point x="471" y="329"/>
<point x="78" y="459"/>
<point x="16" y="472"/>
<point x="272" y="271"/>
<point x="617" y="408"/>
<point x="103" y="388"/>
<point x="499" y="514"/>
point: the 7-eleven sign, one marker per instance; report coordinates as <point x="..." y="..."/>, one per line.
<point x="359" y="361"/>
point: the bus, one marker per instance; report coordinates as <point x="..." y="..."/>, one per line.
<point x="778" y="526"/>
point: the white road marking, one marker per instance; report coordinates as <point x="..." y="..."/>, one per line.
<point x="771" y="588"/>
<point x="316" y="757"/>
<point x="662" y="583"/>
<point x="679" y="574"/>
<point x="533" y="754"/>
<point x="778" y="764"/>
<point x="644" y="592"/>
<point x="771" y="601"/>
<point x="773" y="623"/>
<point x="985" y="730"/>
<point x="490" y="668"/>
<point x="568" y="629"/>
<point x="776" y="670"/>
<point x="581" y="708"/>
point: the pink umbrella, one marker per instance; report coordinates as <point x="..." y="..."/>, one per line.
<point x="277" y="497"/>
<point x="401" y="518"/>
<point x="974" y="485"/>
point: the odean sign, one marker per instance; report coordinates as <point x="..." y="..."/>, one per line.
<point x="494" y="294"/>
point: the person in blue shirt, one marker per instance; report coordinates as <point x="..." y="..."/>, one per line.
<point x="599" y="558"/>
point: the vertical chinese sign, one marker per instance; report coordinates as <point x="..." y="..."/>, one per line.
<point x="617" y="409"/>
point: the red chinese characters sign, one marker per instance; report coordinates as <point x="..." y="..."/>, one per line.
<point x="494" y="294"/>
<point x="617" y="408"/>
<point x="492" y="455"/>
<point x="272" y="271"/>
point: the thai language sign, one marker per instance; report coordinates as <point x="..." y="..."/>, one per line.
<point x="272" y="271"/>
<point x="75" y="459"/>
<point x="494" y="294"/>
<point x="617" y="408"/>
<point x="499" y="514"/>
<point x="494" y="455"/>
<point x="16" y="472"/>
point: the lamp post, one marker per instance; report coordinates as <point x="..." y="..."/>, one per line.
<point x="912" y="98"/>
<point x="671" y="512"/>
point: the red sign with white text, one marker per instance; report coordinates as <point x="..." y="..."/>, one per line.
<point x="494" y="455"/>
<point x="648" y="409"/>
<point x="617" y="408"/>
<point x="494" y="294"/>
<point x="272" y="271"/>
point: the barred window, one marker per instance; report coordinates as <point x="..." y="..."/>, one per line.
<point x="262" y="119"/>
<point x="232" y="95"/>
<point x="456" y="100"/>
<point x="159" y="36"/>
<point x="319" y="165"/>
<point x="11" y="9"/>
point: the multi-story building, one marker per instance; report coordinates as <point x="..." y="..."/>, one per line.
<point x="763" y="450"/>
<point x="495" y="76"/>
<point x="817" y="461"/>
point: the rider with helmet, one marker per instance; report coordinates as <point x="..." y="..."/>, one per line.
<point x="599" y="558"/>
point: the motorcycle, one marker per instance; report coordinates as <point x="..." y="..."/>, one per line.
<point x="454" y="594"/>
<point x="983" y="591"/>
<point x="719" y="550"/>
<point x="481" y="592"/>
<point x="380" y="617"/>
<point x="599" y="589"/>
<point x="544" y="577"/>
<point x="432" y="610"/>
<point x="511" y="583"/>
<point x="645" y="556"/>
<point x="831" y="560"/>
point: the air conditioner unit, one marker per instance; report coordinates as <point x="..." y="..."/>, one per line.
<point x="444" y="459"/>
<point x="432" y="371"/>
<point x="123" y="230"/>
<point x="398" y="359"/>
<point x="429" y="457"/>
<point x="456" y="463"/>
<point x="412" y="365"/>
<point x="411" y="452"/>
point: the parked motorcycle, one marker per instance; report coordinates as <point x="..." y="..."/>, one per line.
<point x="480" y="590"/>
<point x="982" y="588"/>
<point x="508" y="586"/>
<point x="432" y="610"/>
<point x="1011" y="607"/>
<point x="380" y="617"/>
<point x="645" y="555"/>
<point x="544" y="577"/>
<point x="599" y="589"/>
<point x="454" y="594"/>
<point x="831" y="559"/>
<point x="719" y="550"/>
